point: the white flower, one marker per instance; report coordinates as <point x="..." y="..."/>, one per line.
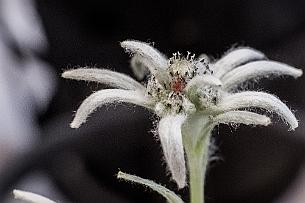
<point x="31" y="197"/>
<point x="187" y="92"/>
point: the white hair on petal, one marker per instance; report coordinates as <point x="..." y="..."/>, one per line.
<point x="154" y="60"/>
<point x="171" y="140"/>
<point x="256" y="70"/>
<point x="243" y="117"/>
<point x="107" y="96"/>
<point x="139" y="67"/>
<point x="104" y="76"/>
<point x="251" y="99"/>
<point x="236" y="58"/>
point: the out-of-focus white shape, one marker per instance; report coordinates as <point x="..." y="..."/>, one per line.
<point x="25" y="88"/>
<point x="16" y="129"/>
<point x="296" y="192"/>
<point x="38" y="183"/>
<point x="26" y="85"/>
<point x="31" y="197"/>
<point x="23" y="23"/>
<point x="170" y="196"/>
<point x="41" y="81"/>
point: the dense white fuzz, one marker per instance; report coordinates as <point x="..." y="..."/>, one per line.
<point x="151" y="57"/>
<point x="137" y="64"/>
<point x="203" y="80"/>
<point x="187" y="87"/>
<point x="104" y="76"/>
<point x="30" y="197"/>
<point x="107" y="96"/>
<point x="243" y="117"/>
<point x="170" y="196"/>
<point x="257" y="69"/>
<point x="262" y="100"/>
<point x="236" y="58"/>
<point x="171" y="140"/>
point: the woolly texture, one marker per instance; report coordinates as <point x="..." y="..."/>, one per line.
<point x="138" y="67"/>
<point x="104" y="76"/>
<point x="171" y="140"/>
<point x="236" y="58"/>
<point x="103" y="97"/>
<point x="152" y="58"/>
<point x="183" y="86"/>
<point x="258" y="100"/>
<point x="243" y="117"/>
<point x="256" y="70"/>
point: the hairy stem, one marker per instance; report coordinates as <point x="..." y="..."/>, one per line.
<point x="197" y="164"/>
<point x="196" y="134"/>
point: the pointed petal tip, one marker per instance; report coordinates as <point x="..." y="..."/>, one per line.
<point x="293" y="123"/>
<point x="293" y="126"/>
<point x="19" y="194"/>
<point x="181" y="183"/>
<point x="16" y="192"/>
<point x="299" y="72"/>
<point x="179" y="178"/>
<point x="69" y="74"/>
<point x="75" y="124"/>
<point x="65" y="74"/>
<point x="119" y="174"/>
<point x="266" y="121"/>
<point x="124" y="44"/>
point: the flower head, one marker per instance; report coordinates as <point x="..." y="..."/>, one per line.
<point x="182" y="88"/>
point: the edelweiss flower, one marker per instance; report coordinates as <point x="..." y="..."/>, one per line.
<point x="190" y="95"/>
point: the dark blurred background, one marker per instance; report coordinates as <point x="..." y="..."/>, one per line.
<point x="255" y="164"/>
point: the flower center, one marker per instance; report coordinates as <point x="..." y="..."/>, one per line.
<point x="171" y="94"/>
<point x="178" y="84"/>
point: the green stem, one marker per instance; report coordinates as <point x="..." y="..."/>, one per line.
<point x="197" y="164"/>
<point x="196" y="139"/>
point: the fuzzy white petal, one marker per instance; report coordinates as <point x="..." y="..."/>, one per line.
<point x="236" y="58"/>
<point x="151" y="57"/>
<point x="242" y="117"/>
<point x="171" y="140"/>
<point x="169" y="195"/>
<point x="256" y="70"/>
<point x="202" y="80"/>
<point x="30" y="197"/>
<point x="250" y="99"/>
<point x="104" y="76"/>
<point x="138" y="67"/>
<point x="107" y="96"/>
